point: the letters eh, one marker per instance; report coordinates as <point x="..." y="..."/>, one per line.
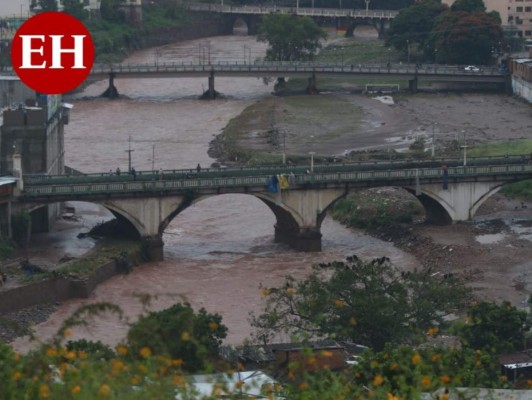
<point x="42" y="44"/>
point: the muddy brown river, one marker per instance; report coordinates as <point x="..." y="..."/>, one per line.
<point x="221" y="249"/>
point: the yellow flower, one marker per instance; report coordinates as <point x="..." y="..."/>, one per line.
<point x="378" y="380"/>
<point x="264" y="292"/>
<point x="390" y="396"/>
<point x="71" y="355"/>
<point x="290" y="291"/>
<point x="121" y="350"/>
<point x="504" y="378"/>
<point x="142" y="368"/>
<point x="67" y="332"/>
<point x="239" y="384"/>
<point x="373" y="364"/>
<point x="83" y="354"/>
<point x="416" y="358"/>
<point x="179" y="380"/>
<point x="339" y="303"/>
<point x="104" y="390"/>
<point x="435" y="357"/>
<point x="393" y="366"/>
<point x="51" y="352"/>
<point x="177" y="362"/>
<point x="353" y="321"/>
<point x="432" y="331"/>
<point x="135" y="380"/>
<point x="76" y="389"/>
<point x="326" y="353"/>
<point x="478" y="363"/>
<point x="426" y="381"/>
<point x="44" y="391"/>
<point x="213" y="325"/>
<point x="145" y="352"/>
<point x="185" y="336"/>
<point x="16" y="356"/>
<point x="445" y="379"/>
<point x="117" y="366"/>
<point x="311" y="360"/>
<point x="303" y="386"/>
<point x="16" y="376"/>
<point x="529" y="383"/>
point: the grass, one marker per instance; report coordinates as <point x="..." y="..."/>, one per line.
<point x="81" y="268"/>
<point x="511" y="148"/>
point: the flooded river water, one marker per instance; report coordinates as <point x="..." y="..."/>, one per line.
<point x="221" y="249"/>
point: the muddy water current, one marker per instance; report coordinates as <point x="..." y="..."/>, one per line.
<point x="218" y="251"/>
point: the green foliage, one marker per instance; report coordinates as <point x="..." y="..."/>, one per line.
<point x="469" y="6"/>
<point x="75" y="8"/>
<point x="7" y="364"/>
<point x="495" y="328"/>
<point x="48" y="5"/>
<point x="289" y="37"/>
<point x="466" y="38"/>
<point x="20" y="225"/>
<point x="7" y="247"/>
<point x="98" y="350"/>
<point x="110" y="10"/>
<point x="366" y="302"/>
<point x="178" y="332"/>
<point x="412" y="26"/>
<point x="367" y="211"/>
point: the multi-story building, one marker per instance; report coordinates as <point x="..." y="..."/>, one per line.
<point x="516" y="15"/>
<point x="32" y="128"/>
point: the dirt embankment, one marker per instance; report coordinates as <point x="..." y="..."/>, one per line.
<point x="494" y="252"/>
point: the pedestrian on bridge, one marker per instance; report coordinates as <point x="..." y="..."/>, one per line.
<point x="134" y="173"/>
<point x="118" y="170"/>
<point x="198" y="168"/>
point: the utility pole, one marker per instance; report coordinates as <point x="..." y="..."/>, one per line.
<point x="153" y="157"/>
<point x="129" y="151"/>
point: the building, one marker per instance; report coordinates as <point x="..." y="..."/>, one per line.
<point x="32" y="126"/>
<point x="521" y="70"/>
<point x="516" y="15"/>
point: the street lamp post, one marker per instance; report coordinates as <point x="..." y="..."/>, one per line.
<point x="367" y="5"/>
<point x="312" y="160"/>
<point x="129" y="151"/>
<point x="408" y="50"/>
<point x="433" y="138"/>
<point x="465" y="147"/>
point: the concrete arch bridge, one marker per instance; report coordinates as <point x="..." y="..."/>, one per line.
<point x="299" y="200"/>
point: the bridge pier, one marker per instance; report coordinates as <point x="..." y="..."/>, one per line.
<point x="412" y="85"/>
<point x="111" y="92"/>
<point x="311" y="87"/>
<point x="153" y="247"/>
<point x="303" y="239"/>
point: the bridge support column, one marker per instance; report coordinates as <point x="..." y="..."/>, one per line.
<point x="153" y="247"/>
<point x="412" y="85"/>
<point x="303" y="239"/>
<point x="212" y="93"/>
<point x="111" y="92"/>
<point x="311" y="87"/>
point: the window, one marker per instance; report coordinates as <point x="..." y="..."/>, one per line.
<point x="519" y="9"/>
<point x="528" y="9"/>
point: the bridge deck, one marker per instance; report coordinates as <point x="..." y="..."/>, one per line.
<point x="155" y="185"/>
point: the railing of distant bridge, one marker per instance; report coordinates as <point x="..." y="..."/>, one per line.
<point x="198" y="182"/>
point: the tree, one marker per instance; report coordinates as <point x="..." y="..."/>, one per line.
<point x="110" y="10"/>
<point x="48" y="5"/>
<point x="495" y="328"/>
<point x="75" y="8"/>
<point x="413" y="25"/>
<point x="290" y="38"/>
<point x="474" y="6"/>
<point x="179" y="333"/>
<point x="466" y="38"/>
<point x="370" y="303"/>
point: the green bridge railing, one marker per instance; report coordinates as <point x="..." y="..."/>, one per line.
<point x="296" y="181"/>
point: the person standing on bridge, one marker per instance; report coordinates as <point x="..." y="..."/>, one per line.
<point x="118" y="170"/>
<point x="198" y="168"/>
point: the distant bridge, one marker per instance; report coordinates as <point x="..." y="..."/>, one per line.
<point x="345" y="17"/>
<point x="149" y="201"/>
<point x="394" y="72"/>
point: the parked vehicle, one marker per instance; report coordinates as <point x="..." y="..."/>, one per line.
<point x="472" y="68"/>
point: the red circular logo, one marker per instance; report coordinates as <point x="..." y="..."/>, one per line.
<point x="52" y="52"/>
